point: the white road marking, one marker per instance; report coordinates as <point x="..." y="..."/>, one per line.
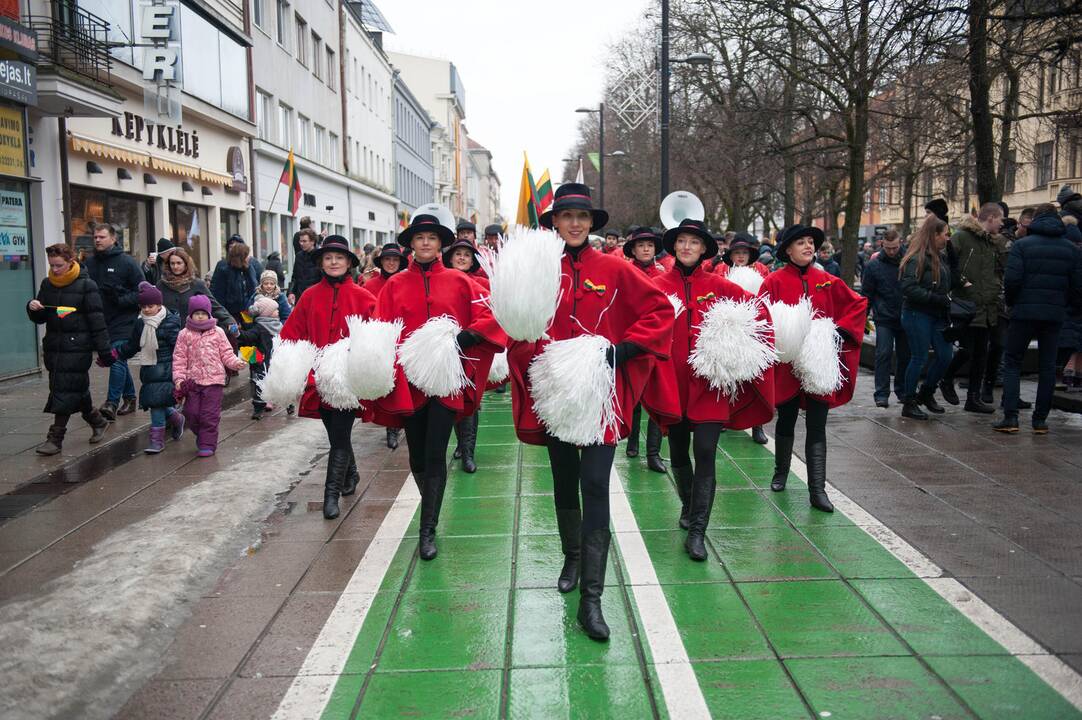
<point x="679" y="686"/>
<point x="1059" y="676"/>
<point x="307" y="697"/>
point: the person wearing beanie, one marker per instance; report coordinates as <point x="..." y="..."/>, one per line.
<point x="153" y="338"/>
<point x="1070" y="203"/>
<point x="152" y="266"/>
<point x="268" y="288"/>
<point x="200" y="360"/>
<point x="256" y="344"/>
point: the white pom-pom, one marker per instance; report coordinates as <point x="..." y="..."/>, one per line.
<point x="677" y="303"/>
<point x="574" y="389"/>
<point x="291" y="361"/>
<point x="500" y="369"/>
<point x="370" y="363"/>
<point x="332" y="382"/>
<point x="431" y="360"/>
<point x="791" y="325"/>
<point x="819" y="366"/>
<point x="746" y="277"/>
<point x="524" y="278"/>
<point x="733" y="346"/>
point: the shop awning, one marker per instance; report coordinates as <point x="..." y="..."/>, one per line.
<point x="109" y="151"/>
<point x="216" y="177"/>
<point x="177" y="168"/>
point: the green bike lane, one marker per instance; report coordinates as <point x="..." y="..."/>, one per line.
<point x="795" y="614"/>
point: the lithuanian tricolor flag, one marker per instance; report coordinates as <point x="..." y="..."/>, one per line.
<point x="528" y="211"/>
<point x="544" y="192"/>
<point x="292" y="181"/>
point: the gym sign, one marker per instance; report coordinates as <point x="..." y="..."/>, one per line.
<point x="162" y="72"/>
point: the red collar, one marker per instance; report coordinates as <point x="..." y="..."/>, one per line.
<point x="436" y="267"/>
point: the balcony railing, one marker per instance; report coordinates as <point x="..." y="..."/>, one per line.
<point x="74" y="39"/>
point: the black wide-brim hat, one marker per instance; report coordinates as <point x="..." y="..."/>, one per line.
<point x="336" y="243"/>
<point x="450" y="250"/>
<point x="639" y="234"/>
<point x="426" y="223"/>
<point x="391" y="250"/>
<point x="795" y="232"/>
<point x="574" y="196"/>
<point x="743" y="241"/>
<point x="692" y="227"/>
<point x="465" y="225"/>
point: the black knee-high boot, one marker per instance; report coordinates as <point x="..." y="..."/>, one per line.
<point x="468" y="442"/>
<point x="653" y="447"/>
<point x="633" y="436"/>
<point x="595" y="555"/>
<point x="783" y="457"/>
<point x="431" y="498"/>
<point x="683" y="478"/>
<point x="702" y="502"/>
<point x="817" y="475"/>
<point x="337" y="465"/>
<point x="569" y="522"/>
<point x="352" y="478"/>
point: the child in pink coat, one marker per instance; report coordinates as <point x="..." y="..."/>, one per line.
<point x="200" y="359"/>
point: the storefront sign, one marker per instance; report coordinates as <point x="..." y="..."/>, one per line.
<point x="162" y="71"/>
<point x="13" y="223"/>
<point x="21" y="40"/>
<point x="12" y="139"/>
<point x="154" y="134"/>
<point x="18" y="82"/>
<point x="234" y="160"/>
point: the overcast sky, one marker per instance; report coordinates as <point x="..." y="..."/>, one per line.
<point x="526" y="66"/>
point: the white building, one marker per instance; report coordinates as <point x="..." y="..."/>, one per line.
<point x="486" y="201"/>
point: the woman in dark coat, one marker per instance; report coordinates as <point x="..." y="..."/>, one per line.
<point x="179" y="282"/>
<point x="236" y="279"/>
<point x="69" y="306"/>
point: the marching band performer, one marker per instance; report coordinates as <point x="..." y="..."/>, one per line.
<point x="391" y="261"/>
<point x="704" y="408"/>
<point x="837" y="353"/>
<point x="603" y="296"/>
<point x="642" y="246"/>
<point x="425" y="292"/>
<point x="461" y="255"/>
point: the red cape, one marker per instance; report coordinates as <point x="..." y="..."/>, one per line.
<point x="832" y="298"/>
<point x="601" y="295"/>
<point x="416" y="295"/>
<point x="722" y="269"/>
<point x="675" y="392"/>
<point x="320" y="318"/>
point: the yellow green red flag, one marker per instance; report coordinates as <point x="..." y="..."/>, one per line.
<point x="528" y="212"/>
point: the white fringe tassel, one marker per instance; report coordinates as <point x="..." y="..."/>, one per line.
<point x="370" y="363"/>
<point x="819" y="366"/>
<point x="291" y="361"/>
<point x="431" y="358"/>
<point x="500" y="369"/>
<point x="524" y="277"/>
<point x="733" y="346"/>
<point x="791" y="326"/>
<point x="677" y="303"/>
<point x="332" y="381"/>
<point x="574" y="389"/>
<point x="745" y="277"/>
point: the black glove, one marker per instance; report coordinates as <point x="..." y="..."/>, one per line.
<point x="621" y="352"/>
<point x="467" y="339"/>
<point x="944" y="301"/>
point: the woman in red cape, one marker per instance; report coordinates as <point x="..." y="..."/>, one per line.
<point x="642" y="247"/>
<point x="320" y="318"/>
<point x="391" y="261"/>
<point x="832" y="298"/>
<point x="461" y="255"/>
<point x="703" y="412"/>
<point x="428" y="290"/>
<point x="601" y="295"/>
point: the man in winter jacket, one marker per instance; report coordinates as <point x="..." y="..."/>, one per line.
<point x="880" y="284"/>
<point x="1043" y="278"/>
<point x="305" y="270"/>
<point x="152" y="266"/>
<point x="1070" y="203"/>
<point x="978" y="250"/>
<point x="117" y="276"/>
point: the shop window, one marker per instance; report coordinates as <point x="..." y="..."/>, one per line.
<point x="190" y="232"/>
<point x="266" y="238"/>
<point x="129" y="214"/>
<point x="228" y="225"/>
<point x="19" y="351"/>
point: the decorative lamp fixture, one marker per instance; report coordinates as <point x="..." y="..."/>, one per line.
<point x="149" y="179"/>
<point x="206" y="191"/>
<point x="187" y="186"/>
<point x="93" y="168"/>
<point x="123" y="174"/>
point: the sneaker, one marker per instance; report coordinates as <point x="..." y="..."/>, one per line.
<point x="257" y="414"/>
<point x="882" y="402"/>
<point x="108" y="411"/>
<point x="1040" y="427"/>
<point x="205" y="452"/>
<point x="1006" y="425"/>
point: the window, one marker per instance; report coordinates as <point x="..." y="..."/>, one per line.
<point x="263" y="110"/>
<point x="285" y="125"/>
<point x="1044" y="163"/>
<point x="319" y="144"/>
<point x="302" y="40"/>
<point x="317" y="56"/>
<point x="282" y="24"/>
<point x="332" y="70"/>
<point x="304" y="131"/>
<point x="259" y="12"/>
<point x="332" y="152"/>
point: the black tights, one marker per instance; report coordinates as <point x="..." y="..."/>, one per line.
<point x="586" y="468"/>
<point x="815" y="419"/>
<point x="427" y="433"/>
<point x="705" y="444"/>
<point x="339" y="427"/>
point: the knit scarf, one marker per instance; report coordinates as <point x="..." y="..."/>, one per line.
<point x="148" y="342"/>
<point x="200" y="326"/>
<point x="65" y="279"/>
<point x="273" y="294"/>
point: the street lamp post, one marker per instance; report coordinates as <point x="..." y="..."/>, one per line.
<point x="600" y="110"/>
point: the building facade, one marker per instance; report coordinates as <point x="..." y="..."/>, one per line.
<point x="486" y="196"/>
<point x="414" y="172"/>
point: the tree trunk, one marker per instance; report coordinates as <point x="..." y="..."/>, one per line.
<point x="908" y="183"/>
<point x="980" y="81"/>
<point x="1006" y="128"/>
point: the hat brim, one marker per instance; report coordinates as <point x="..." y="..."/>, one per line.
<point x="601" y="218"/>
<point x="317" y="254"/>
<point x="817" y="236"/>
<point x="669" y="240"/>
<point x="629" y="246"/>
<point x="446" y="235"/>
<point x="450" y="249"/>
<point x="752" y="257"/>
